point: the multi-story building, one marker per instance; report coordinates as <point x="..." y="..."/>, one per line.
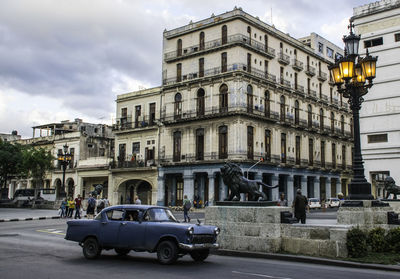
<point x="237" y="89"/>
<point x="378" y="24"/>
<point x="323" y="47"/>
<point x="10" y="137"/>
<point x="92" y="150"/>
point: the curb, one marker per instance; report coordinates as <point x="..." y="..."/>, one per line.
<point x="29" y="219"/>
<point x="304" y="259"/>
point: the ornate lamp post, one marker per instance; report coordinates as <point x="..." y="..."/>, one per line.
<point x="350" y="75"/>
<point x="64" y="159"/>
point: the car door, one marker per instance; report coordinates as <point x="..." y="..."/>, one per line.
<point x="110" y="225"/>
<point x="132" y="231"/>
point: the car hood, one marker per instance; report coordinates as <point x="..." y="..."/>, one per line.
<point x="198" y="229"/>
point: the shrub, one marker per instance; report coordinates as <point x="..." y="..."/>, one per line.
<point x="394" y="239"/>
<point x="377" y="240"/>
<point x="356" y="242"/>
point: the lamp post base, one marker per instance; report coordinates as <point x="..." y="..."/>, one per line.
<point x="360" y="190"/>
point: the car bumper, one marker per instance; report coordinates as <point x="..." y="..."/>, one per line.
<point x="191" y="247"/>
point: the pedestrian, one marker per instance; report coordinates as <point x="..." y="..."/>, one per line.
<point x="282" y="201"/>
<point x="137" y="200"/>
<point x="99" y="205"/>
<point x="78" y="206"/>
<point x="300" y="204"/>
<point x="106" y="202"/>
<point x="63" y="208"/>
<point x="71" y="207"/>
<point x="90" y="207"/>
<point x="186" y="207"/>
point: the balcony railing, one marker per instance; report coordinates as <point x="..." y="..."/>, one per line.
<point x="310" y="70"/>
<point x="283" y="58"/>
<point x="297" y="65"/>
<point x="214" y="44"/>
<point x="208" y="156"/>
<point x="126" y="123"/>
<point x="325" y="98"/>
<point x="132" y="164"/>
<point x="312" y="93"/>
<point x="220" y="70"/>
<point x="299" y="89"/>
<point x="284" y="82"/>
<point x="322" y="76"/>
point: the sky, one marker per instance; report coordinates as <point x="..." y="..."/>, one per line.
<point x="67" y="59"/>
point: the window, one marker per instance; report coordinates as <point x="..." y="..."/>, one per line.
<point x="250" y="142"/>
<point x="298" y="148"/>
<point x="200" y="144"/>
<point x="266" y="68"/>
<point x="178" y="106"/>
<point x="267" y="104"/>
<point x="102" y="152"/>
<point x="223" y="142"/>
<point x="342" y="124"/>
<point x="249" y="33"/>
<point x="152" y="113"/>
<point x="135" y="148"/>
<point x="322" y="154"/>
<point x="200" y="102"/>
<point x="295" y="80"/>
<point x="397" y="37"/>
<point x="249" y="62"/>
<point x="343" y="156"/>
<point x="338" y="56"/>
<point x="201" y="67"/>
<point x="309" y="116"/>
<point x="377" y="138"/>
<point x="224" y="34"/>
<point x="281" y="76"/>
<point x="224" y="62"/>
<point x="138" y="112"/>
<point x="115" y="215"/>
<point x="282" y="109"/>
<point x="249" y="99"/>
<point x="320" y="91"/>
<point x="332" y="122"/>
<point x="223" y="98"/>
<point x="267" y="145"/>
<point x="177" y="146"/>
<point x="283" y="148"/>
<point x="266" y="43"/>
<point x="333" y="155"/>
<point x="122" y="152"/>
<point x="321" y="120"/>
<point x="329" y="52"/>
<point x="179" y="47"/>
<point x="296" y="112"/>
<point x="310" y="152"/>
<point x="321" y="47"/>
<point x="201" y="41"/>
<point x="373" y="42"/>
<point x="178" y="72"/>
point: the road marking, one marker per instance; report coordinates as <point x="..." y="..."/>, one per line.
<point x="52" y="231"/>
<point x="259" y="275"/>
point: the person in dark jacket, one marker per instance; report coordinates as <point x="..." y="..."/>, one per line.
<point x="300" y="205"/>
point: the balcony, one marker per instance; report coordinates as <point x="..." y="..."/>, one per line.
<point x="221" y="70"/>
<point x="299" y="89"/>
<point x="284" y="82"/>
<point x="283" y="58"/>
<point x="297" y="65"/>
<point x="217" y="44"/>
<point x="141" y="164"/>
<point x="324" y="99"/>
<point x="312" y="94"/>
<point x="310" y="71"/>
<point x="125" y="123"/>
<point x="322" y="76"/>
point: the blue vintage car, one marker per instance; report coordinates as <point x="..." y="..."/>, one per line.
<point x="142" y="228"/>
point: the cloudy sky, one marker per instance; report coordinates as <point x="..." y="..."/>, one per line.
<point x="67" y="59"/>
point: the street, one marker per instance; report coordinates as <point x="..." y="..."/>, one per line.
<point x="38" y="248"/>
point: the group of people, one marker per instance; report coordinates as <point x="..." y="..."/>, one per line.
<point x="68" y="206"/>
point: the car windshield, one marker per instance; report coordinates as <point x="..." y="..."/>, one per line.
<point x="160" y="215"/>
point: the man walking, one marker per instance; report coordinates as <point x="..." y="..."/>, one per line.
<point x="78" y="205"/>
<point x="186" y="207"/>
<point x="300" y="204"/>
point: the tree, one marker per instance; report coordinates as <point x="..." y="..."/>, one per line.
<point x="10" y="161"/>
<point x="35" y="163"/>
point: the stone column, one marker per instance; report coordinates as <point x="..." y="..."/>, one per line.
<point x="211" y="194"/>
<point x="110" y="193"/>
<point x="79" y="185"/>
<point x="328" y="187"/>
<point x="304" y="185"/>
<point x="188" y="186"/>
<point x="161" y="190"/>
<point x="290" y="190"/>
<point x="317" y="192"/>
<point x="275" y="191"/>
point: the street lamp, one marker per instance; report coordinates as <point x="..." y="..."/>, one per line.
<point x="64" y="158"/>
<point x="349" y="75"/>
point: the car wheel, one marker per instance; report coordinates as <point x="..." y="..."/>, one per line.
<point x="167" y="252"/>
<point x="91" y="248"/>
<point x="121" y="251"/>
<point x="200" y="255"/>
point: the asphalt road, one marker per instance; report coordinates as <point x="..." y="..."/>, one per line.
<point x="37" y="249"/>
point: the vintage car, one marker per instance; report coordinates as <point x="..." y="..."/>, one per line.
<point x="142" y="228"/>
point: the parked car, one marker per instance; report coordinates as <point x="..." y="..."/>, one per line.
<point x="332" y="202"/>
<point x="314" y="203"/>
<point x="142" y="228"/>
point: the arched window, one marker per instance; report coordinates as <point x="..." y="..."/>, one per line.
<point x="267" y="104"/>
<point x="177" y="146"/>
<point x="249" y="99"/>
<point x="223" y="98"/>
<point x="201" y="41"/>
<point x="321" y="120"/>
<point x="282" y="109"/>
<point x="309" y="116"/>
<point x="332" y="122"/>
<point x="200" y="102"/>
<point x="223" y="142"/>
<point x="296" y="112"/>
<point x="179" y="48"/>
<point x="342" y="124"/>
<point x="178" y="106"/>
<point x="224" y="34"/>
<point x="200" y="144"/>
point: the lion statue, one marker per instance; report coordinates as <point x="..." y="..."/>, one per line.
<point x="391" y="188"/>
<point x="97" y="190"/>
<point x="232" y="176"/>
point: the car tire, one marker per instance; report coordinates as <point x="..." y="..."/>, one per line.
<point x="167" y="252"/>
<point x="122" y="251"/>
<point x="200" y="255"/>
<point x="91" y="248"/>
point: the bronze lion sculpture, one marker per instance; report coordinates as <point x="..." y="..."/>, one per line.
<point x="391" y="188"/>
<point x="232" y="176"/>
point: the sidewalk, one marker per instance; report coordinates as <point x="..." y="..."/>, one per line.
<point x="25" y="214"/>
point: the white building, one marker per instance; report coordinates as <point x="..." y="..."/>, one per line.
<point x="379" y="26"/>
